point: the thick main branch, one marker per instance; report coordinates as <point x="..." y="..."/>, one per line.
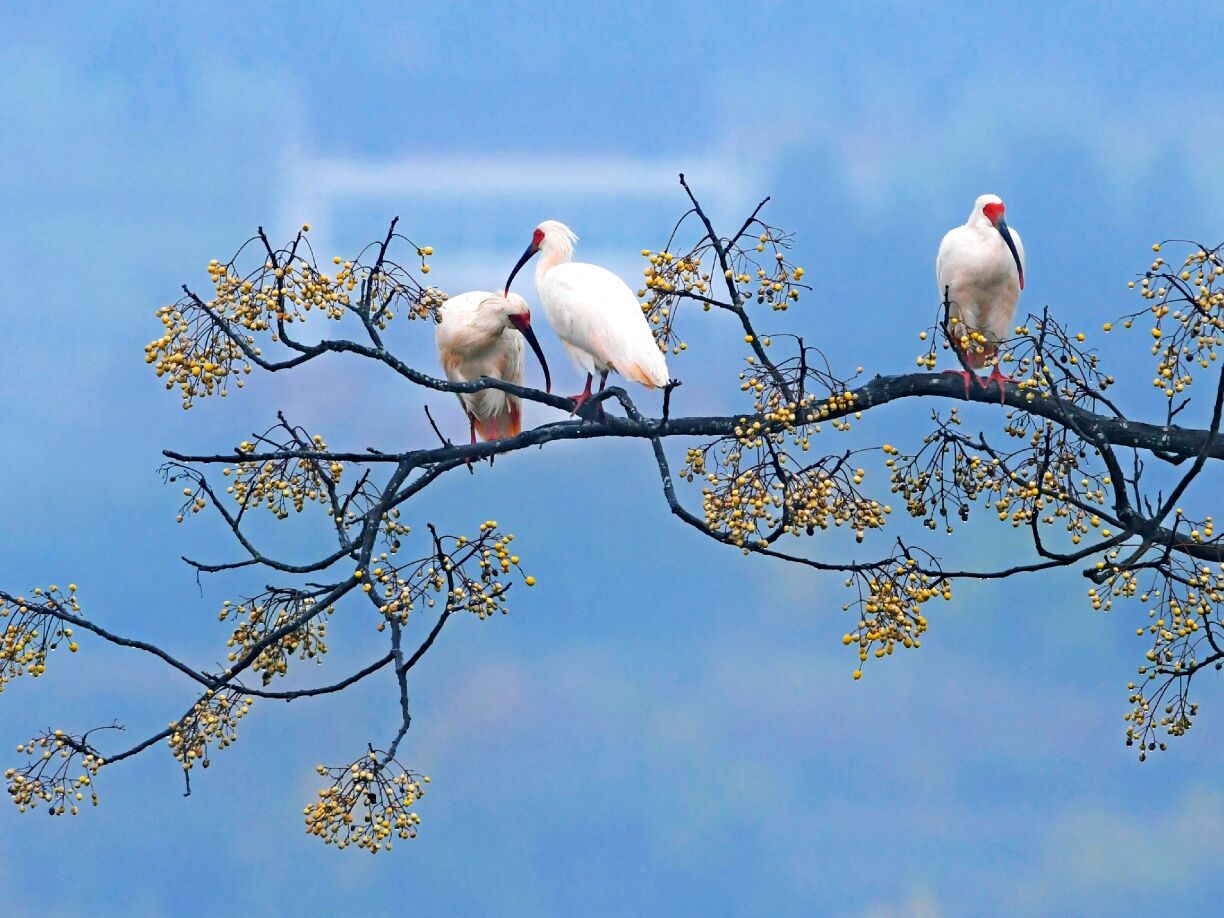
<point x="1168" y="440"/>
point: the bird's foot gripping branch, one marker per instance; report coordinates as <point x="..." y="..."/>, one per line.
<point x="1061" y="464"/>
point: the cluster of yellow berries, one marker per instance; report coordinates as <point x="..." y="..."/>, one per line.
<point x="968" y="340"/>
<point x="212" y="720"/>
<point x="755" y="482"/>
<point x="405" y="588"/>
<point x="816" y="499"/>
<point x="740" y="506"/>
<point x="259" y="617"/>
<point x="926" y="488"/>
<point x="283" y="484"/>
<point x="890" y="608"/>
<point x="755" y="490"/>
<point x="666" y="274"/>
<point x="464" y="574"/>
<point x="197" y="353"/>
<point x="1183" y="602"/>
<point x="47" y="777"/>
<point x="194" y="500"/>
<point x="393" y="530"/>
<point x="206" y="342"/>
<point x="821" y="398"/>
<point x="670" y="277"/>
<point x="1179" y="620"/>
<point x="368" y="804"/>
<point x="1187" y="306"/>
<point x="1174" y="718"/>
<point x="1181" y="612"/>
<point x="1043" y="482"/>
<point x="1049" y="482"/>
<point x="777" y="281"/>
<point x="29" y="630"/>
<point x="747" y="503"/>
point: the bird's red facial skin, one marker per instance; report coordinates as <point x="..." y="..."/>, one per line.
<point x="993" y="212"/>
<point x="520" y="320"/>
<point x="537" y="238"/>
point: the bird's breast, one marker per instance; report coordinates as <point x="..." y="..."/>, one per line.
<point x="977" y="258"/>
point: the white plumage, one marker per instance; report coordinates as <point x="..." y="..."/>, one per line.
<point x="476" y="337"/>
<point x="981" y="265"/>
<point x="594" y="313"/>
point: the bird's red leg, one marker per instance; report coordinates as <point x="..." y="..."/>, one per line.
<point x="965" y="374"/>
<point x="603" y="382"/>
<point x="996" y="376"/>
<point x="580" y="399"/>
<point x="472" y="429"/>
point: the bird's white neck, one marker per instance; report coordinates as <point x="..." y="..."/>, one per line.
<point x="979" y="220"/>
<point x="552" y="253"/>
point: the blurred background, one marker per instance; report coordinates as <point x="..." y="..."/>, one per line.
<point x="661" y="725"/>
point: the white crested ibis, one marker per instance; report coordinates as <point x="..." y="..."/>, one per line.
<point x="981" y="266"/>
<point x="481" y="334"/>
<point x="594" y="313"/>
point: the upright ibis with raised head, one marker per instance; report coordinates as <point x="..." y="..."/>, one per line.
<point x="981" y="267"/>
<point x="594" y="313"/>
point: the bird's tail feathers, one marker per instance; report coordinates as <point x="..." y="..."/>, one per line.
<point x="631" y="369"/>
<point x="504" y="423"/>
<point x="649" y="368"/>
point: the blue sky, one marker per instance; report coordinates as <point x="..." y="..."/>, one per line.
<point x="661" y="726"/>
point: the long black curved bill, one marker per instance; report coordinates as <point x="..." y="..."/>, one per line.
<point x="526" y="256"/>
<point x="529" y="334"/>
<point x="1011" y="244"/>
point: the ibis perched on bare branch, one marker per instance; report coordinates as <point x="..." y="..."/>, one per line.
<point x="594" y="313"/>
<point x="481" y="334"/>
<point x="980" y="269"/>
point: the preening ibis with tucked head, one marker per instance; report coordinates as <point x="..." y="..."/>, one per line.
<point x="594" y="313"/>
<point x="981" y="265"/>
<point x="481" y="334"/>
